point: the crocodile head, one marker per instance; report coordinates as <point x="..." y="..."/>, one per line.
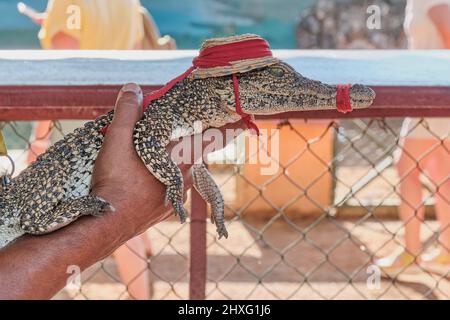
<point x="279" y="88"/>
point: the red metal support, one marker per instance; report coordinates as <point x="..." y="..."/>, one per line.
<point x="87" y="102"/>
<point x="58" y="102"/>
<point x="198" y="257"/>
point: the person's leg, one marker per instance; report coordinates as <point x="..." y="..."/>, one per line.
<point x="438" y="170"/>
<point x="131" y="259"/>
<point x="411" y="208"/>
<point x="40" y="139"/>
<point x="147" y="244"/>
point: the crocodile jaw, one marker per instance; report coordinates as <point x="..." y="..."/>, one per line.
<point x="279" y="88"/>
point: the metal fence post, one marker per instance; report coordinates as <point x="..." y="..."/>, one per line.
<point x="197" y="268"/>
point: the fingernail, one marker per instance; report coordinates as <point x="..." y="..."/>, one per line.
<point x="133" y="88"/>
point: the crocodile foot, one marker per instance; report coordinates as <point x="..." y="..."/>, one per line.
<point x="38" y="221"/>
<point x="174" y="196"/>
<point x="210" y="192"/>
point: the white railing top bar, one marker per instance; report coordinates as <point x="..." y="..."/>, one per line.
<point x="372" y="67"/>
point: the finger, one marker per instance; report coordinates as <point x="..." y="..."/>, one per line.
<point x="119" y="135"/>
<point x="193" y="146"/>
<point x="232" y="131"/>
<point x="235" y="125"/>
<point x="128" y="108"/>
<point x="228" y="133"/>
<point x="188" y="181"/>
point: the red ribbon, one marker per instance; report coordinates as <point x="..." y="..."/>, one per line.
<point x="220" y="56"/>
<point x="343" y="98"/>
<point x="160" y="92"/>
<point x="248" y="119"/>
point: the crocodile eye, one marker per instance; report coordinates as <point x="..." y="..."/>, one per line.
<point x="277" y="72"/>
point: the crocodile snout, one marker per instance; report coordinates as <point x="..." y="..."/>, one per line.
<point x="361" y="96"/>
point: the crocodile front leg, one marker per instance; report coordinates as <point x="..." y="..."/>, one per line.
<point x="150" y="140"/>
<point x="64" y="213"/>
<point x="210" y="192"/>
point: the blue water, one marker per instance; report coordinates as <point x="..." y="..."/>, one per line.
<point x="188" y="21"/>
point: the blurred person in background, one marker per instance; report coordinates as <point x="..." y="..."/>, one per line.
<point x="99" y="25"/>
<point x="91" y="25"/>
<point x="425" y="149"/>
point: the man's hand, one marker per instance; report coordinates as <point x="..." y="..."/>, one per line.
<point x="120" y="176"/>
<point x="36" y="267"/>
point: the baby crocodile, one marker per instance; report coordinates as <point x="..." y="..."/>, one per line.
<point x="55" y="189"/>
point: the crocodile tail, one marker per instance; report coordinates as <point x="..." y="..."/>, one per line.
<point x="3" y="188"/>
<point x="4" y="184"/>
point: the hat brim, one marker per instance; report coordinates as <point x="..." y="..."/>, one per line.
<point x="235" y="67"/>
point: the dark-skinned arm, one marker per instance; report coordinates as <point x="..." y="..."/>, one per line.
<point x="35" y="267"/>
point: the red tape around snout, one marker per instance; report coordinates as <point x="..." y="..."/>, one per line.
<point x="343" y="98"/>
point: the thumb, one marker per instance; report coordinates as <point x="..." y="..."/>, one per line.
<point x="128" y="108"/>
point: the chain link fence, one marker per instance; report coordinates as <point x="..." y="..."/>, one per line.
<point x="313" y="229"/>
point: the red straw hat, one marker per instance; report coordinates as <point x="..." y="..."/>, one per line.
<point x="232" y="55"/>
<point x="222" y="57"/>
